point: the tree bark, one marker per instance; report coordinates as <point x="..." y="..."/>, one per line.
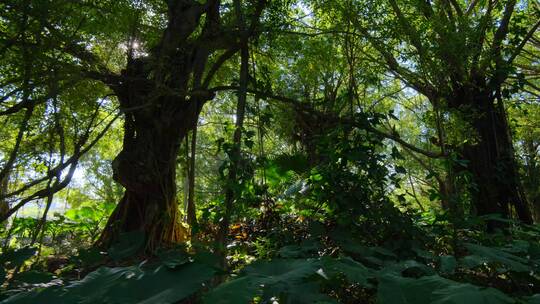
<point x="191" y="214"/>
<point x="491" y="159"/>
<point x="155" y="124"/>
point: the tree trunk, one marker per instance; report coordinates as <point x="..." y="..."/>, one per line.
<point x="491" y="160"/>
<point x="191" y="211"/>
<point x="532" y="176"/>
<point x="146" y="169"/>
<point x="4" y="205"/>
<point x="230" y="193"/>
<point x="155" y="125"/>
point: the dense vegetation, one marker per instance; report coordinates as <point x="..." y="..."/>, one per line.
<point x="270" y="151"/>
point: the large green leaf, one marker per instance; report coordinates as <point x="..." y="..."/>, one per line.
<point x="277" y="278"/>
<point x="467" y="293"/>
<point x="482" y="254"/>
<point x="98" y="284"/>
<point x="49" y="295"/>
<point x="306" y="248"/>
<point x="395" y="289"/>
<point x="371" y="255"/>
<point x="410" y="267"/>
<point x="447" y="264"/>
<point x="174" y="258"/>
<point x="237" y="290"/>
<point x="125" y="285"/>
<point x="165" y="286"/>
<point x="306" y="293"/>
<point x="283" y="270"/>
<point x="354" y="272"/>
<point x="34" y="277"/>
<point x="535" y="299"/>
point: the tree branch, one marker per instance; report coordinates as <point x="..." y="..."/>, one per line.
<point x="523" y="42"/>
<point x="304" y="107"/>
<point x="56" y="171"/>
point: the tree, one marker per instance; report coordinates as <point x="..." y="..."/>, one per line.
<point x="162" y="95"/>
<point x="173" y="51"/>
<point x="525" y="115"/>
<point x="43" y="82"/>
<point x="459" y="56"/>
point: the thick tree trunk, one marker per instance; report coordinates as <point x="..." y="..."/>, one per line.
<point x="146" y="169"/>
<point x="155" y="124"/>
<point x="492" y="161"/>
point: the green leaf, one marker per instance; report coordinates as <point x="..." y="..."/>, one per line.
<point x="275" y="278"/>
<point x="99" y="283"/>
<point x="435" y="289"/>
<point x="237" y="290"/>
<point x="128" y="244"/>
<point x="410" y="267"/>
<point x="283" y="269"/>
<point x="34" y="277"/>
<point x="433" y="195"/>
<point x="305" y="249"/>
<point x="164" y="285"/>
<point x="482" y="254"/>
<point x="394" y="289"/>
<point x="249" y="143"/>
<point x="535" y="299"/>
<point x="447" y="264"/>
<point x="285" y="162"/>
<point x="396" y="154"/>
<point x="294" y="188"/>
<point x="43" y="296"/>
<point x="174" y="258"/>
<point x="424" y="254"/>
<point x="467" y="293"/>
<point x="125" y="285"/>
<point x="400" y="169"/>
<point x="354" y="272"/>
<point x="89" y="257"/>
<point x="307" y="293"/>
